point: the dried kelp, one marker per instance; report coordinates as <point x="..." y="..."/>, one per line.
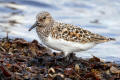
<point x="22" y="60"/>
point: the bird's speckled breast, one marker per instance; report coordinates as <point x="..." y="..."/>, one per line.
<point x="43" y="33"/>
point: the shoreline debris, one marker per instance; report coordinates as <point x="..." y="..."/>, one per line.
<point x="22" y="60"/>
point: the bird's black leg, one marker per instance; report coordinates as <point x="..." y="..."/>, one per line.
<point x="69" y="58"/>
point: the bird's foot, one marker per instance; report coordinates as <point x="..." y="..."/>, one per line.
<point x="65" y="60"/>
<point x="70" y="58"/>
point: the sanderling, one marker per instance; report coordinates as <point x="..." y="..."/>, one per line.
<point x="65" y="37"/>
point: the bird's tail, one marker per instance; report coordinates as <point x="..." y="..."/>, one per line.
<point x="104" y="39"/>
<point x="111" y="39"/>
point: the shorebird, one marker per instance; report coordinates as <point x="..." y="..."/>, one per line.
<point x="63" y="37"/>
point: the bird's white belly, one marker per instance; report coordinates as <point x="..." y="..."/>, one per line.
<point x="67" y="46"/>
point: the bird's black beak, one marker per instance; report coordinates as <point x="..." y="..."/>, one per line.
<point x="34" y="25"/>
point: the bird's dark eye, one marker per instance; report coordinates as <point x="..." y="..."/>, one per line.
<point x="44" y="17"/>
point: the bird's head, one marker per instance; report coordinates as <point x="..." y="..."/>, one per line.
<point x="43" y="19"/>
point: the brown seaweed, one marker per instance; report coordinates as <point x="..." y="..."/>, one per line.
<point x="22" y="60"/>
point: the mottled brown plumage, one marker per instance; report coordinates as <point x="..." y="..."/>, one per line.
<point x="73" y="33"/>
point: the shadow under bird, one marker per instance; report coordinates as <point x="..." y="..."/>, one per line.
<point x="65" y="37"/>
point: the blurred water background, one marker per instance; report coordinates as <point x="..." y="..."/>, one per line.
<point x="99" y="16"/>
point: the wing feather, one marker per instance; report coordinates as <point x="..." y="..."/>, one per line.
<point x="76" y="34"/>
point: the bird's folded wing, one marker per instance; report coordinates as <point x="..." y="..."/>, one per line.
<point x="76" y="34"/>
